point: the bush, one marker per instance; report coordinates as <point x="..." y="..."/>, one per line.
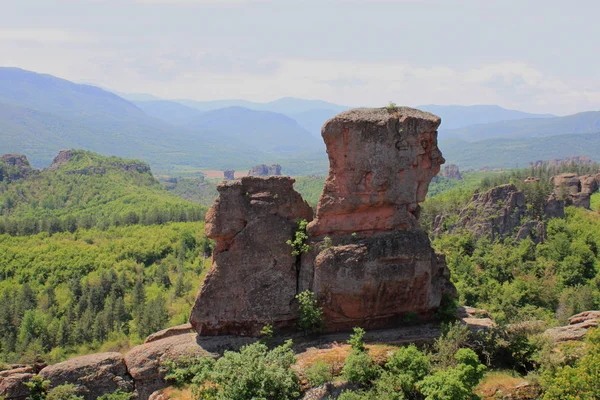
<point x="299" y="245"/>
<point x="360" y="368"/>
<point x="311" y="315"/>
<point x="319" y="373"/>
<point x="252" y="373"/>
<point x="182" y="371"/>
<point x="350" y="395"/>
<point x="64" y="392"/>
<point x="357" y="340"/>
<point x="38" y="388"/>
<point x="408" y="366"/>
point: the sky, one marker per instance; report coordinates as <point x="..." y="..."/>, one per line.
<point x="531" y="55"/>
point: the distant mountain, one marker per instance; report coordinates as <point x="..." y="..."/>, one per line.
<point x="586" y="122"/>
<point x="512" y="152"/>
<point x="286" y="105"/>
<point x="169" y="111"/>
<point x="456" y="116"/>
<point x="266" y="130"/>
<point x="41" y="114"/>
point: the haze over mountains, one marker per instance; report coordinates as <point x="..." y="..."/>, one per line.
<point x="41" y="114"/>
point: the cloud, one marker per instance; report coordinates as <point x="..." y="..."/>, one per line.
<point x="42" y="36"/>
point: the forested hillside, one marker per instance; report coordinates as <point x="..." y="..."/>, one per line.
<point x="84" y="190"/>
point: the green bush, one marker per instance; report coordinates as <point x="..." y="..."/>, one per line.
<point x="319" y="373"/>
<point x="252" y="373"/>
<point x="298" y="244"/>
<point x="311" y="315"/>
<point x="407" y="366"/>
<point x="182" y="371"/>
<point x="64" y="392"/>
<point x="360" y="368"/>
<point x="357" y="340"/>
<point x="38" y="388"/>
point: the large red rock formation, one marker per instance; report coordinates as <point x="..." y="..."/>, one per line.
<point x="370" y="264"/>
<point x="254" y="277"/>
<point x="380" y="164"/>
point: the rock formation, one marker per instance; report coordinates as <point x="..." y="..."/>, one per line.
<point x="229" y="174"/>
<point x="535" y="230"/>
<point x="94" y="375"/>
<point x="265" y="170"/>
<point x="63" y="157"/>
<point x="576" y="190"/>
<point x="496" y="213"/>
<point x="254" y="277"/>
<point x="578" y="327"/>
<point x="451" y="171"/>
<point x="14" y="166"/>
<point x="370" y="264"/>
<point x="554" y="207"/>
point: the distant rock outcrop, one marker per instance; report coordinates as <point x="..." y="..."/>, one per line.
<point x="63" y="157"/>
<point x="578" y="327"/>
<point x="265" y="170"/>
<point x="451" y="171"/>
<point x="229" y="174"/>
<point x="14" y="166"/>
<point x="496" y="213"/>
<point x="554" y="207"/>
<point x="576" y="190"/>
<point x="254" y="277"/>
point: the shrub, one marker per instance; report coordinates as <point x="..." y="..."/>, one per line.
<point x="357" y="340"/>
<point x="38" y="388"/>
<point x="360" y="368"/>
<point x="311" y="315"/>
<point x="182" y="371"/>
<point x="64" y="392"/>
<point x="319" y="373"/>
<point x="252" y="373"/>
<point x="350" y="395"/>
<point x="408" y="366"/>
<point x="266" y="334"/>
<point x="298" y="244"/>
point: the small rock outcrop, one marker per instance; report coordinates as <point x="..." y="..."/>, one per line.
<point x="577" y="329"/>
<point x="94" y="375"/>
<point x="451" y="171"/>
<point x="265" y="170"/>
<point x="254" y="277"/>
<point x="496" y="213"/>
<point x="12" y="384"/>
<point x="229" y="174"/>
<point x="576" y="190"/>
<point x="554" y="208"/>
<point x="173" y="331"/>
<point x="535" y="230"/>
<point x="63" y="157"/>
<point x="14" y="167"/>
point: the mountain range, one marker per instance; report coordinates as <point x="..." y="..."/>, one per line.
<point x="41" y="114"/>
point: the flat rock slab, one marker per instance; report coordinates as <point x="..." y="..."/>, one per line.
<point x="94" y="375"/>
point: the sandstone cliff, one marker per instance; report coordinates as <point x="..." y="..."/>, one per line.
<point x="265" y="170"/>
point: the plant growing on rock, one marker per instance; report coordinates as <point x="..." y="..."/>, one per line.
<point x="298" y="244"/>
<point x="311" y="315"/>
<point x="64" y="392"/>
<point x="38" y="388"/>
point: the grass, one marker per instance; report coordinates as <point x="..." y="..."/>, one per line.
<point x="498" y="381"/>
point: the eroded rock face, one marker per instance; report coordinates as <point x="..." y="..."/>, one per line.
<point x="254" y="277"/>
<point x="94" y="375"/>
<point x="451" y="171"/>
<point x="12" y="385"/>
<point x="578" y="327"/>
<point x="370" y="265"/>
<point x="63" y="157"/>
<point x="265" y="170"/>
<point x="380" y="165"/>
<point x="554" y="207"/>
<point x="496" y="213"/>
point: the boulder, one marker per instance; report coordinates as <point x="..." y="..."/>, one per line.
<point x="581" y="199"/>
<point x="94" y="374"/>
<point x="496" y="213"/>
<point x="565" y="184"/>
<point x="12" y="386"/>
<point x="577" y="329"/>
<point x="381" y="162"/>
<point x="589" y="184"/>
<point x="144" y="362"/>
<point x="253" y="280"/>
<point x="173" y="331"/>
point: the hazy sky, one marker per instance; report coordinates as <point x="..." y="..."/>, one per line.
<point x="534" y="55"/>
